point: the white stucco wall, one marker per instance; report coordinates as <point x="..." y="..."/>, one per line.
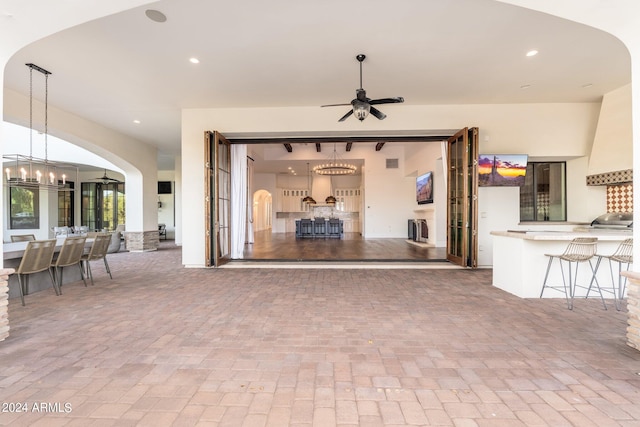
<point x="613" y="142"/>
<point x="136" y="159"/>
<point x="562" y="131"/>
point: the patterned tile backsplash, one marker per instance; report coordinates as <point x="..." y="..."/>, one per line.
<point x="620" y="198"/>
<point x="611" y="178"/>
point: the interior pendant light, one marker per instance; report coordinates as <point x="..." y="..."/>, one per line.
<point x="335" y="166"/>
<point x="308" y="199"/>
<point x="330" y="200"/>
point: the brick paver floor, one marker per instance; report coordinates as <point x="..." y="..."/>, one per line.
<point x="160" y="345"/>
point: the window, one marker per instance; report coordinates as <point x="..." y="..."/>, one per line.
<point x="24" y="208"/>
<point x="543" y="196"/>
<point x="103" y="205"/>
<point x="65" y="206"/>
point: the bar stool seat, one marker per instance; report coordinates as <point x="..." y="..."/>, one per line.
<point x="579" y="250"/>
<point x="623" y="255"/>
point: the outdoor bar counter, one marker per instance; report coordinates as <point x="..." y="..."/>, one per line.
<point x="519" y="261"/>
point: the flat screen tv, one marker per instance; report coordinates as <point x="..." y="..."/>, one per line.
<point x="501" y="170"/>
<point x="164" y="187"/>
<point x="424" y="188"/>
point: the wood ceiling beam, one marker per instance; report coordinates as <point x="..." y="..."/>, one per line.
<point x="379" y="146"/>
<point x="288" y="147"/>
<point x="318" y="147"/>
<point x="349" y="145"/>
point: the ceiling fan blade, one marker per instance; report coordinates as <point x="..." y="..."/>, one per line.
<point x="386" y="100"/>
<point x="345" y="116"/>
<point x="335" y="105"/>
<point x="377" y="113"/>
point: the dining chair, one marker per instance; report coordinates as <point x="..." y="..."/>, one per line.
<point x="98" y="251"/>
<point x="23" y="237"/>
<point x="70" y="254"/>
<point x="36" y="258"/>
<point x="579" y="250"/>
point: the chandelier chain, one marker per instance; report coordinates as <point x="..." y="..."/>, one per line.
<point x="46" y="115"/>
<point x="30" y="112"/>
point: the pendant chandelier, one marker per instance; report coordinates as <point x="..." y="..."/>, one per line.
<point x="335" y="166"/>
<point x="330" y="200"/>
<point x="38" y="173"/>
<point x="308" y="199"/>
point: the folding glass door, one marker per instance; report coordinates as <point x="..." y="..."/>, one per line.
<point x="462" y="198"/>
<point x="217" y="199"/>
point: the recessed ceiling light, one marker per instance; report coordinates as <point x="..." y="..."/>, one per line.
<point x="532" y="52"/>
<point x="136" y="121"/>
<point x="194" y="60"/>
<point x="587" y="85"/>
<point x="525" y="86"/>
<point x="155" y="15"/>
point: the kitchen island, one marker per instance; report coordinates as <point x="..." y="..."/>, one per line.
<point x="519" y="261"/>
<point x="319" y="228"/>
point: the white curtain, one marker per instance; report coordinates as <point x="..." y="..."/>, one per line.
<point x="250" y="218"/>
<point x="238" y="199"/>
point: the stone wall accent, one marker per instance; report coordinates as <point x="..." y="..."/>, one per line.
<point x="4" y="302"/>
<point x="141" y="241"/>
<point x="633" y="308"/>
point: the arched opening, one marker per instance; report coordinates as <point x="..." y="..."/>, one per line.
<point x="262" y="211"/>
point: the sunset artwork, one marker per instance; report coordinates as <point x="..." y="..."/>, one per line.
<point x="501" y="170"/>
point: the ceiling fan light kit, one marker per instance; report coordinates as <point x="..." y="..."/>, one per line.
<point x="361" y="106"/>
<point x="105" y="179"/>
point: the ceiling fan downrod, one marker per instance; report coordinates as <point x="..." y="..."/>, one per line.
<point x="360" y="58"/>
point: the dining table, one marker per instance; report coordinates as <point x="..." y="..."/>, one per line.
<point x="12" y="255"/>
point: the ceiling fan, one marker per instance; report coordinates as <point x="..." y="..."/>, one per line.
<point x="361" y="105"/>
<point x="106" y="179"/>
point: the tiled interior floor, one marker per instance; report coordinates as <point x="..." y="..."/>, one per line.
<point x="160" y="345"/>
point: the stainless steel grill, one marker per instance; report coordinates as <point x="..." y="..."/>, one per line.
<point x="614" y="220"/>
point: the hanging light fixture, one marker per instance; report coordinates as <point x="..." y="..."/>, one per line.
<point x="32" y="172"/>
<point x="308" y="199"/>
<point x="330" y="200"/>
<point x="335" y="166"/>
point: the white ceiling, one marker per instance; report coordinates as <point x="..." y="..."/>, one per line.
<point x="284" y="53"/>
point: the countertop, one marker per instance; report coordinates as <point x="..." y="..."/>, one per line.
<point x="612" y="235"/>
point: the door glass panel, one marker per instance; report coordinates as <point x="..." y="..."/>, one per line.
<point x="103" y="205"/>
<point x="65" y="206"/>
<point x="461" y="197"/>
<point x="218" y="196"/>
<point x="224" y="200"/>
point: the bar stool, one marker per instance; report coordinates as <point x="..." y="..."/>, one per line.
<point x="579" y="250"/>
<point x="623" y="255"/>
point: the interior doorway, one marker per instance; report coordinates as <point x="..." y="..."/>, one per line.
<point x="262" y="211"/>
<point x="279" y="166"/>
